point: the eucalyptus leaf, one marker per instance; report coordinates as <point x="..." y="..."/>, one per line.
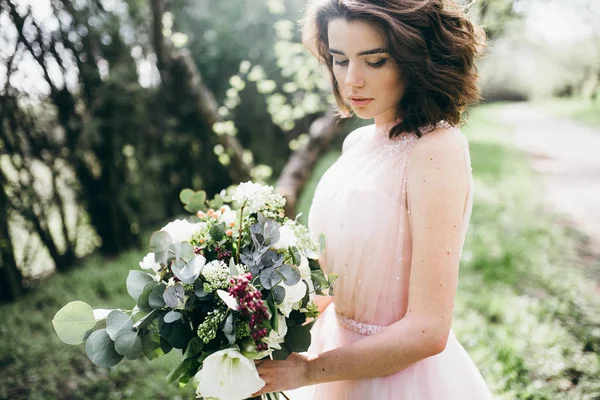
<point x="129" y="345"/>
<point x="229" y="329"/>
<point x="265" y="277"/>
<point x="155" y="299"/>
<point x="172" y="316"/>
<point x="101" y="351"/>
<point x="182" y="251"/>
<point x="291" y="274"/>
<point x="160" y="241"/>
<point x="136" y="280"/>
<point x="73" y="322"/>
<point x="174" y="295"/>
<point x="117" y="322"/>
<point x="278" y="293"/>
<point x="143" y="300"/>
<point x="146" y="320"/>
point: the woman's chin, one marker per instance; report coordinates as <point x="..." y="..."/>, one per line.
<point x="363" y="113"/>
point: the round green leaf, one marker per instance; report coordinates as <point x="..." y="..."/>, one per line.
<point x="136" y="280"/>
<point x="129" y="344"/>
<point x="185" y="195"/>
<point x="155" y="299"/>
<point x="73" y="322"/>
<point x="143" y="300"/>
<point x="101" y="350"/>
<point x="116" y="322"/>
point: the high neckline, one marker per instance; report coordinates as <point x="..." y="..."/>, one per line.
<point x="385" y="128"/>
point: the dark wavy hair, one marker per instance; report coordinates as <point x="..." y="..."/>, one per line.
<point x="432" y="42"/>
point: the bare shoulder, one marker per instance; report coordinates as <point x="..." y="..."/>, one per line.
<point x="441" y="141"/>
<point x="354" y="136"/>
<point x="440" y="155"/>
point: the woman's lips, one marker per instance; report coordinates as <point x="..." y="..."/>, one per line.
<point x="359" y="102"/>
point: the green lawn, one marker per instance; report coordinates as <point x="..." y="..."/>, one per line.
<point x="525" y="311"/>
<point x="582" y="110"/>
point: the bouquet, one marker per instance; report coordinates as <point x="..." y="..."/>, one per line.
<point x="234" y="284"/>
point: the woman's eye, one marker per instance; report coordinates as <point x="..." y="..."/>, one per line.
<point x="378" y="64"/>
<point x="342" y="63"/>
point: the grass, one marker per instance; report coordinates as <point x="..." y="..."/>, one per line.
<point x="582" y="110"/>
<point x="526" y="309"/>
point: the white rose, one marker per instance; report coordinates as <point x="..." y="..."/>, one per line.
<point x="181" y="230"/>
<point x="149" y="262"/>
<point x="228" y="375"/>
<point x="287" y="238"/>
<point x="293" y="294"/>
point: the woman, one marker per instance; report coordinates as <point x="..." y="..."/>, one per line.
<point x="394" y="208"/>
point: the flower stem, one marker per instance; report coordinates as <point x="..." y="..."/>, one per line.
<point x="237" y="255"/>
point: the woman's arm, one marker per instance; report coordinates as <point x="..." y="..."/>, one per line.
<point x="439" y="180"/>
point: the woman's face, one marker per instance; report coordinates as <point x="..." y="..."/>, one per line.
<point x="368" y="78"/>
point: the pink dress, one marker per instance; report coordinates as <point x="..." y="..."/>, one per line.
<point x="361" y="206"/>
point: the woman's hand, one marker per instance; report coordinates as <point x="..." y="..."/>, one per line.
<point x="288" y="374"/>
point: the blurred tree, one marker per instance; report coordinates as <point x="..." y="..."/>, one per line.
<point x="11" y="279"/>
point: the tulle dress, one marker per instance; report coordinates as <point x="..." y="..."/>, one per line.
<point x="362" y="208"/>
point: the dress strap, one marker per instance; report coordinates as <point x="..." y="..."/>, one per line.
<point x="357" y="326"/>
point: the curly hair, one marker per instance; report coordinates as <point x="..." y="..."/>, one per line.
<point x="432" y="42"/>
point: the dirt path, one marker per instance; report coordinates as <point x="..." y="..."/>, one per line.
<point x="567" y="156"/>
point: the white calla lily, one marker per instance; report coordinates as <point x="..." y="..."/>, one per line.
<point x="228" y="375"/>
<point x="228" y="299"/>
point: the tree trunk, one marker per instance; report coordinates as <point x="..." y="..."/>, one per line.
<point x="299" y="167"/>
<point x="181" y="76"/>
<point x="11" y="280"/>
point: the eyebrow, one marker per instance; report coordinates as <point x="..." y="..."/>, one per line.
<point x="362" y="53"/>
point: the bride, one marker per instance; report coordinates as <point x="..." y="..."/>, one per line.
<point x="394" y="208"/>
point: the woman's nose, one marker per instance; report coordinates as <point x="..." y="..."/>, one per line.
<point x="354" y="76"/>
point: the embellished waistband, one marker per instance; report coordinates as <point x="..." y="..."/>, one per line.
<point x="357" y="326"/>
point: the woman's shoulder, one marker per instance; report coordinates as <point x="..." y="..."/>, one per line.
<point x="443" y="139"/>
<point x="443" y="151"/>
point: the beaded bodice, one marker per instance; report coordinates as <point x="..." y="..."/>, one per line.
<point x="361" y="207"/>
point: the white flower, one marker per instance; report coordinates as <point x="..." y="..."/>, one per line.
<point x="253" y="194"/>
<point x="277" y="336"/>
<point x="149" y="262"/>
<point x="287" y="238"/>
<point x="190" y="272"/>
<point x="181" y="230"/>
<point x="228" y="375"/>
<point x="213" y="266"/>
<point x="293" y="294"/>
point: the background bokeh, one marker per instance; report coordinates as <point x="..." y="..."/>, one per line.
<point x="109" y="108"/>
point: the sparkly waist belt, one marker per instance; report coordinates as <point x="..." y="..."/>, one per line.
<point x="357" y="326"/>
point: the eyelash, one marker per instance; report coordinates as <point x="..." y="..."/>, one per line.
<point x="374" y="65"/>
